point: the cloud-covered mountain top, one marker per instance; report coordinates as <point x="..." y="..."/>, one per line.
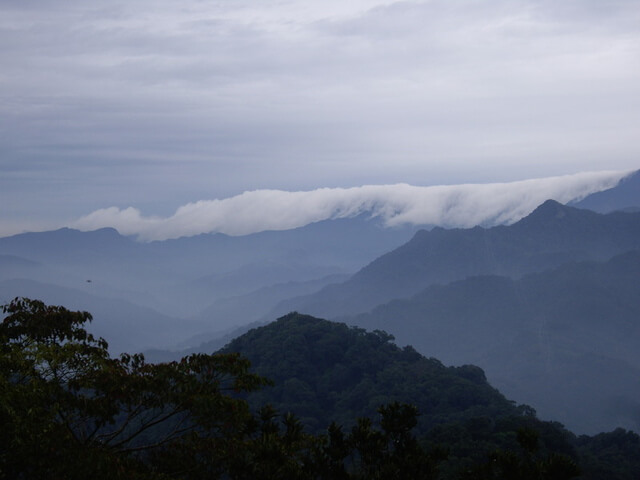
<point x="625" y="196"/>
<point x="464" y="205"/>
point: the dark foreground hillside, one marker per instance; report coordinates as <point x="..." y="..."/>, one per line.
<point x="326" y="371"/>
<point x="69" y="410"/>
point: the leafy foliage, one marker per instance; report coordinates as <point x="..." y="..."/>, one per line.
<point x="66" y="402"/>
<point x="612" y="455"/>
<point x="69" y="410"/>
<point x="325" y="371"/>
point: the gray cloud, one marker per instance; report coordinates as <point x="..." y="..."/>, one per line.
<point x="157" y="104"/>
<point x="448" y="205"/>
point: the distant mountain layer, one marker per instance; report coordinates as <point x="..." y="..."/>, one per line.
<point x="128" y="327"/>
<point x="11" y="261"/>
<point x="564" y="340"/>
<point x="625" y="196"/>
<point x="185" y="276"/>
<point x="551" y="235"/>
<point x="226" y="312"/>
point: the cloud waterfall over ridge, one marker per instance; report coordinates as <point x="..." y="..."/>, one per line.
<point x="444" y="205"/>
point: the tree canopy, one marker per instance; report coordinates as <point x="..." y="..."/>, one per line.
<point x="70" y="410"/>
<point x="65" y="401"/>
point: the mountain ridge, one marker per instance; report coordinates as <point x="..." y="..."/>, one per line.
<point x="184" y="277"/>
<point x="625" y="196"/>
<point x="551" y="235"/>
<point x="564" y="340"/>
<point x="353" y="371"/>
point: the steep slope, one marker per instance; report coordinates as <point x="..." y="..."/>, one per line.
<point x="550" y="236"/>
<point x="624" y="196"/>
<point x="563" y="340"/>
<point x="325" y="371"/>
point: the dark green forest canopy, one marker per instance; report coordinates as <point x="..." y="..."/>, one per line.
<point x="326" y="371"/>
<point x="69" y="410"/>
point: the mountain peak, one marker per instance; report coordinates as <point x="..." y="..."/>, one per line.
<point x="550" y="209"/>
<point x="321" y="369"/>
<point x="553" y="212"/>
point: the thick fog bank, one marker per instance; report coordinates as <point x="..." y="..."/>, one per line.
<point x="445" y="205"/>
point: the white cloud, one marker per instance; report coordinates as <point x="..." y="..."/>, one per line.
<point x="158" y="103"/>
<point x="447" y="205"/>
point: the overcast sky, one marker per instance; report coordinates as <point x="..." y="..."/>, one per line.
<point x="158" y="104"/>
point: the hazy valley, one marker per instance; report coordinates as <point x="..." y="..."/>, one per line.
<point x="546" y="307"/>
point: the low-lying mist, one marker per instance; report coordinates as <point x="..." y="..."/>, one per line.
<point x="443" y="205"/>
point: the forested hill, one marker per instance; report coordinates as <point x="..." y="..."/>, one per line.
<point x="564" y="340"/>
<point x="69" y="410"/>
<point x="551" y="235"/>
<point x="326" y="371"/>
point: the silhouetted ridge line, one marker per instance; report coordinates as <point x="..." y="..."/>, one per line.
<point x="551" y="235"/>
